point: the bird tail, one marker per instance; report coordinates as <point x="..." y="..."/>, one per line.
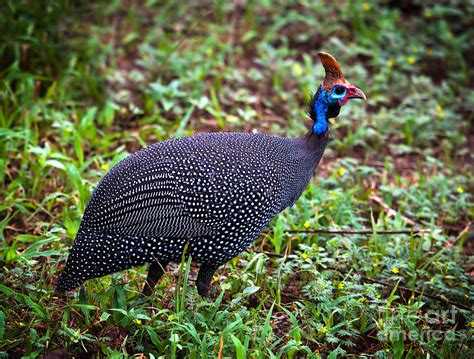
<point x="70" y="277"/>
<point x="96" y="253"/>
<point x="86" y="259"/>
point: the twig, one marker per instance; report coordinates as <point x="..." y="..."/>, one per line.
<point x="380" y="164"/>
<point x="221" y="346"/>
<point x="456" y="240"/>
<point x="270" y="254"/>
<point x="349" y="231"/>
<point x="390" y="211"/>
<point x="405" y="289"/>
<point x="397" y="168"/>
<point x="296" y="297"/>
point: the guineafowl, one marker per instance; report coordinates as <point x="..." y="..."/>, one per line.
<point x="209" y="195"/>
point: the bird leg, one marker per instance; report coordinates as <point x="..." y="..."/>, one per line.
<point x="155" y="271"/>
<point x="203" y="282"/>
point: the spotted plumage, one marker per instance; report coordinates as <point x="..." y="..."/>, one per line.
<point x="211" y="194"/>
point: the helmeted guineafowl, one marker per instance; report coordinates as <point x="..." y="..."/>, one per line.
<point x="212" y="194"/>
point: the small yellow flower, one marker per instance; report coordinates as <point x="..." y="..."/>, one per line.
<point x="411" y="60"/>
<point x="297" y="69"/>
<point x="304" y="256"/>
<point x="459" y="190"/>
<point x="472" y="324"/>
<point x="324" y="330"/>
<point x="332" y="121"/>
<point x="307" y="224"/>
<point x="138" y="321"/>
<point x="390" y="63"/>
<point x="171" y="317"/>
<point x="443" y="200"/>
<point x="104" y="166"/>
<point x="231" y="119"/>
<point x="341" y="171"/>
<point x="439" y="110"/>
<point x="366" y="6"/>
<point x="395" y="270"/>
<point x="340" y="286"/>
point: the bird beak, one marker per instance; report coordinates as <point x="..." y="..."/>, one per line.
<point x="354" y="92"/>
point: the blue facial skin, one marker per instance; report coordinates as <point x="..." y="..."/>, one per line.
<point x="323" y="100"/>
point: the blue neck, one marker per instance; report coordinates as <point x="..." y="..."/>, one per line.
<point x="319" y="108"/>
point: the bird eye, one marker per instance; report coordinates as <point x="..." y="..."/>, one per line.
<point x="339" y="90"/>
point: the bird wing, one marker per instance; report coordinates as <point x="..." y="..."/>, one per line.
<point x="139" y="197"/>
<point x="181" y="191"/>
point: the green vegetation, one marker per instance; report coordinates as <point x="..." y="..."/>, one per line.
<point x="83" y="86"/>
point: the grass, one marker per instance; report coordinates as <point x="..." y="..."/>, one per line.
<point x="84" y="86"/>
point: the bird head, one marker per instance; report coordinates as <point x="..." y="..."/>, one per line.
<point x="334" y="92"/>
